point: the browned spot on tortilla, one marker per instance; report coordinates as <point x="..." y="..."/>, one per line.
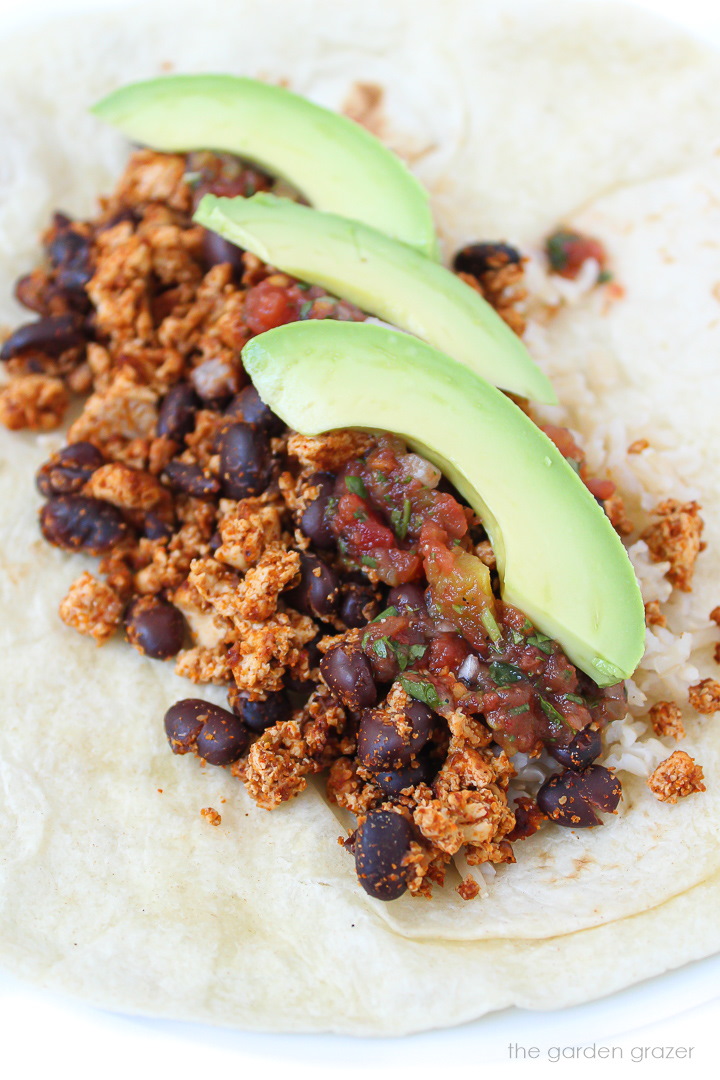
<point x="17" y="572"/>
<point x="716" y="290"/>
<point x="364" y="105"/>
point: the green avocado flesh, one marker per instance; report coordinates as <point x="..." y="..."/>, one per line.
<point x="559" y="558"/>
<point x="382" y="277"/>
<point x="337" y="165"/>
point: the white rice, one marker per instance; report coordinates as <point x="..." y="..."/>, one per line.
<point x="643" y="479"/>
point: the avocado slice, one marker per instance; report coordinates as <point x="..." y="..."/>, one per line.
<point x="336" y="164"/>
<point x="383" y="277"/>
<point x="559" y="558"/>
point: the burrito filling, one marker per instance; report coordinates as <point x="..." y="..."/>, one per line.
<point x="336" y="585"/>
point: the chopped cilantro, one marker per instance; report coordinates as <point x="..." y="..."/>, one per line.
<point x="303" y="285"/>
<point x="400" y="520"/>
<point x="556" y="247"/>
<point x="382" y="647"/>
<point x="192" y="178"/>
<point x="360" y="515"/>
<point x="604" y="276"/>
<point x="386" y="614"/>
<point x="490" y="623"/>
<point x="552" y="713"/>
<point x="355" y="484"/>
<point x="459" y="608"/>
<point x="576" y="698"/>
<point x="517" y="709"/>
<point x="518" y="638"/>
<point x="404" y="654"/>
<point x="380" y="476"/>
<point x="504" y="674"/>
<point x="540" y="641"/>
<point x="305" y="308"/>
<point x="367" y="560"/>
<point x="421" y="691"/>
<point x="331" y="505"/>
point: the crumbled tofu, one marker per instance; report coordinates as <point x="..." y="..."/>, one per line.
<point x="705" y="696"/>
<point x="666" y="719"/>
<point x="37" y="402"/>
<point x="653" y="614"/>
<point x="91" y="607"/>
<point x="675" y="538"/>
<point x="328" y="452"/>
<point x="676" y="777"/>
<point x="246" y="534"/>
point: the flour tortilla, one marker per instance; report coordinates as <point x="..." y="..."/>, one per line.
<point x="112" y="886"/>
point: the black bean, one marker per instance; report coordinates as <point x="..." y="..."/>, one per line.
<point x="69" y="252"/>
<point x="381" y="844"/>
<point x="358" y="605"/>
<point x="245" y="464"/>
<point x="155" y="627"/>
<point x="215" y="542"/>
<point x="77" y="523"/>
<point x="216" y="250"/>
<point x="476" y="259"/>
<point x="52" y="335"/>
<point x="216" y="732"/>
<point x="581" y="752"/>
<point x="191" y="480"/>
<point x="394" y="782"/>
<point x="248" y="407"/>
<point x="422" y="720"/>
<point x="603" y="789"/>
<point x="381" y="746"/>
<point x="177" y="412"/>
<point x="407" y="598"/>
<point x="260" y="715"/>
<point x="314" y="520"/>
<point x="348" y="675"/>
<point x="560" y="799"/>
<point x="32" y="294"/>
<point x="184" y="721"/>
<point x="154" y="528"/>
<point x="223" y="739"/>
<point x="317" y="593"/>
<point x="69" y="470"/>
<point x="568" y="798"/>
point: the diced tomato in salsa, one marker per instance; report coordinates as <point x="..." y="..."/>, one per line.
<point x="567" y="251"/>
<point x="268" y="305"/>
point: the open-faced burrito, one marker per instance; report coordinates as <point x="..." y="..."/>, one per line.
<point x="365" y="418"/>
